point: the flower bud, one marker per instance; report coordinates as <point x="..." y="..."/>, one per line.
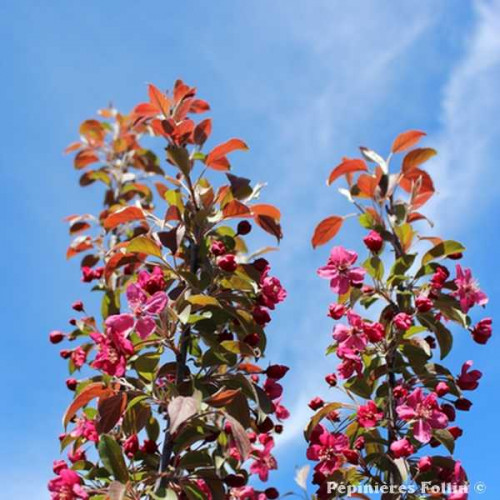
<point x="261" y="315"/>
<point x="456" y="432"/>
<point x="272" y="493"/>
<point x="243" y="228"/>
<point x="77" y="306"/>
<point x="227" y="262"/>
<point x="425" y="464"/>
<point x="423" y="304"/>
<point x="56" y="336"/>
<point x="373" y="241"/>
<point x="336" y="311"/>
<point x="71" y="383"/>
<point x="277" y="372"/>
<point x="316" y="403"/>
<point x="482" y="331"/>
<point x="402" y="448"/>
<point x="252" y="339"/>
<point x="331" y="379"/>
<point x="442" y="389"/>
<point x="463" y="404"/>
<point x="217" y="248"/>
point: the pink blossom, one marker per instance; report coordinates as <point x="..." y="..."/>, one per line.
<point x="426" y="413"/>
<point x="402" y="448"/>
<point x="263" y="460"/>
<point x="131" y="445"/>
<point x="326" y="448"/>
<point x="280" y="411"/>
<point x="67" y="486"/>
<point x="272" y="388"/>
<point x="339" y="271"/>
<point x="336" y="311"/>
<point x="246" y="493"/>
<point x="78" y="357"/>
<point x="425" y="464"/>
<point x="468" y="292"/>
<point x="114" y="348"/>
<point x="316" y="403"/>
<point x="351" y="337"/>
<point x="402" y="321"/>
<point x="151" y="282"/>
<point x="468" y="380"/>
<point x="85" y="428"/>
<point x="271" y="290"/>
<point x="374" y="331"/>
<point x="423" y="303"/>
<point x="442" y="388"/>
<point x="227" y="262"/>
<point x="351" y="363"/>
<point x="369" y="415"/>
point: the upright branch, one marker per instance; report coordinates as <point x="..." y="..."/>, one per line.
<point x="390" y="363"/>
<point x="171" y="363"/>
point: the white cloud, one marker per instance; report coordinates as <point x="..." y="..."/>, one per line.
<point x="465" y="170"/>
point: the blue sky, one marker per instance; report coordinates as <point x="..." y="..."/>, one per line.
<point x="304" y="83"/>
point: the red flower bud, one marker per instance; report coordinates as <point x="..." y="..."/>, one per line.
<point x="316" y="403"/>
<point x="449" y="411"/>
<point x="76" y="456"/>
<point x="278" y="428"/>
<point x="455" y="256"/>
<point x="58" y="466"/>
<point x="149" y="446"/>
<point x="272" y="493"/>
<point x="260" y="264"/>
<point x="277" y="372"/>
<point x="65" y="353"/>
<point x="71" y="383"/>
<point x="227" y="262"/>
<point x="455" y="431"/>
<point x="442" y="389"/>
<point x="423" y="304"/>
<point x="131" y="445"/>
<point x="463" y="404"/>
<point x="78" y="306"/>
<point x="336" y="311"/>
<point x="373" y="241"/>
<point x="261" y="315"/>
<point x="331" y="379"/>
<point x="402" y="448"/>
<point x="352" y="456"/>
<point x="482" y="331"/>
<point x="235" y="480"/>
<point x="56" y="336"/>
<point x="218" y="248"/>
<point x="244" y="227"/>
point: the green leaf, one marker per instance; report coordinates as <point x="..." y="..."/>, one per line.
<point x="203" y="300"/>
<point x="146" y="365"/>
<point x="237" y="347"/>
<point x="112" y="458"/>
<point x="443" y="335"/>
<point x="320" y="414"/>
<point x="359" y="386"/>
<point x="441" y="250"/>
<point x="144" y="244"/>
<point x="445" y="438"/>
<point x="375" y="267"/>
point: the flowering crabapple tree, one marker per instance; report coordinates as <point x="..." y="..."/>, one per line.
<point x="169" y="401"/>
<point x="399" y="400"/>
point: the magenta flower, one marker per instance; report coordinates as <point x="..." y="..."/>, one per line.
<point x="271" y="290"/>
<point x="339" y="271"/>
<point x="425" y="412"/>
<point x="351" y="363"/>
<point x="402" y="448"/>
<point x="369" y="415"/>
<point x="67" y="486"/>
<point x="263" y="460"/>
<point x="151" y="282"/>
<point x="326" y="448"/>
<point x="114" y="347"/>
<point x="351" y="337"/>
<point x="482" y="331"/>
<point x="85" y="428"/>
<point x="468" y="292"/>
<point x="468" y="380"/>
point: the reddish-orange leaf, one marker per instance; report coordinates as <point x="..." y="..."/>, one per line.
<point x="181" y="90"/>
<point x="146" y="109"/>
<point x="235" y="209"/>
<point x="435" y="240"/>
<point x="199" y="106"/>
<point x="89" y="392"/>
<point x="79" y="245"/>
<point x="222" y="397"/>
<point x="416" y="157"/>
<point x="73" y="147"/>
<point x="159" y="99"/>
<point x="406" y="140"/>
<point x="348" y="165"/>
<point x="326" y="230"/>
<point x="119" y="259"/>
<point x="202" y="131"/>
<point x="85" y="157"/>
<point x="222" y="150"/>
<point x="221" y="164"/>
<point x="127" y="214"/>
<point x="250" y="368"/>
<point x="423" y="181"/>
<point x="93" y="131"/>
<point x="266" y="209"/>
